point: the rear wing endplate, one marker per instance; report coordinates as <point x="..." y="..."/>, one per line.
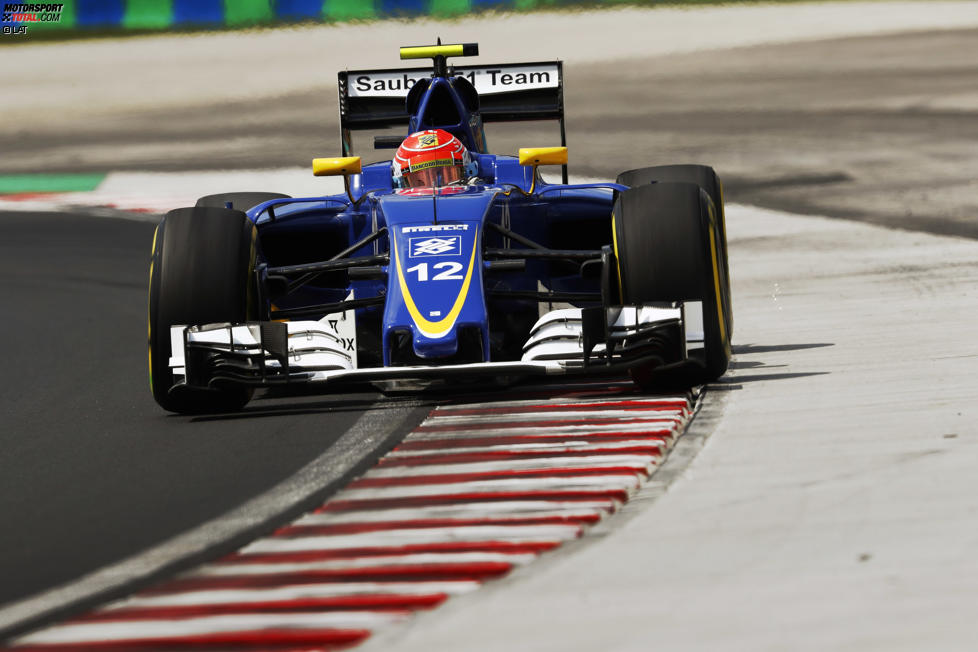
<point x="374" y="99"/>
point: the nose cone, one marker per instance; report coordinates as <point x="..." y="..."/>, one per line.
<point x="435" y="288"/>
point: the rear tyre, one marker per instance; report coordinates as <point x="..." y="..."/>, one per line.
<point x="668" y="245"/>
<point x="201" y="272"/>
<point x="707" y="179"/>
<point x="240" y="201"/>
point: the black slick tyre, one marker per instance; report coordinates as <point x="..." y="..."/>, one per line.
<point x="667" y="243"/>
<point x="201" y="272"/>
<point x="240" y="201"/>
<point x="707" y="179"/>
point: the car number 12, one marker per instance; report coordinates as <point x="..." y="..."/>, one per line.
<point x="451" y="272"/>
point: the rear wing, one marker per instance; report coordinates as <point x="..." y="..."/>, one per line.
<point x="374" y="99"/>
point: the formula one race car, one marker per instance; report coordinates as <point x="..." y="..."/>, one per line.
<point x="445" y="262"/>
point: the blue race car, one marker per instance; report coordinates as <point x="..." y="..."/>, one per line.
<point x="445" y="261"/>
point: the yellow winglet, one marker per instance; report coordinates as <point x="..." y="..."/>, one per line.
<point x="331" y="167"/>
<point x="431" y="51"/>
<point x="543" y="156"/>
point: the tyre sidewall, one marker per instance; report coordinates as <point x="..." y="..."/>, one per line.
<point x="201" y="273"/>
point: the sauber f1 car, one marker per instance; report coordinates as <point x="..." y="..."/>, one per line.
<point x="491" y="272"/>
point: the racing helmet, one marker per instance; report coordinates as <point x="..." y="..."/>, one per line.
<point x="431" y="158"/>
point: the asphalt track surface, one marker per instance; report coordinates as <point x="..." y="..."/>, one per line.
<point x="878" y="129"/>
<point x="92" y="470"/>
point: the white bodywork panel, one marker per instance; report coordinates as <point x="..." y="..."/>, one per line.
<point x="554" y="346"/>
<point x="559" y="332"/>
<point x="331" y="341"/>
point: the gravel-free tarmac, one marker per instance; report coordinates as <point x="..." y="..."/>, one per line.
<point x="833" y="506"/>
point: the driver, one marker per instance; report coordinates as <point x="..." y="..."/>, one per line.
<point x="432" y="159"/>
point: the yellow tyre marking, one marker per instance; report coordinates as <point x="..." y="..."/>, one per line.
<point x="149" y="323"/>
<point x="716" y="286"/>
<point x="614" y="244"/>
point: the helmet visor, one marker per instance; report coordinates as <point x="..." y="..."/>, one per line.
<point x="434" y="177"/>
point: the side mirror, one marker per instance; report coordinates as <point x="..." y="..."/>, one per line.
<point x="333" y="167"/>
<point x="543" y="156"/>
<point x="535" y="156"/>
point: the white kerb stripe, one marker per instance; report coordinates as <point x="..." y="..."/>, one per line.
<point x="452" y="446"/>
<point x="146" y="629"/>
<point x="557" y="483"/>
<point x="273" y="568"/>
<point x="604" y="415"/>
<point x="516" y="509"/>
<point x="651" y="402"/>
<point x="296" y="592"/>
<point x="630" y="460"/>
<point x="621" y="426"/>
<point x="387" y="538"/>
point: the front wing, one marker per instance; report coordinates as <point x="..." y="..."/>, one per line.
<point x="592" y="341"/>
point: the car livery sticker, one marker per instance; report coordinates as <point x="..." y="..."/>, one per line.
<point x="445" y="245"/>
<point x="487" y="79"/>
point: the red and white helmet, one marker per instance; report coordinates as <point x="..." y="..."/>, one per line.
<point x="431" y="159"/>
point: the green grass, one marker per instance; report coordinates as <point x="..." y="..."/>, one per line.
<point x="17" y="183"/>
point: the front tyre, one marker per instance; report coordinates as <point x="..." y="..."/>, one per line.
<point x="707" y="179"/>
<point x="201" y="272"/>
<point x="669" y="248"/>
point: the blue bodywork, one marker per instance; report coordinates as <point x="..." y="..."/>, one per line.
<point x="443" y="286"/>
<point x="500" y="275"/>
